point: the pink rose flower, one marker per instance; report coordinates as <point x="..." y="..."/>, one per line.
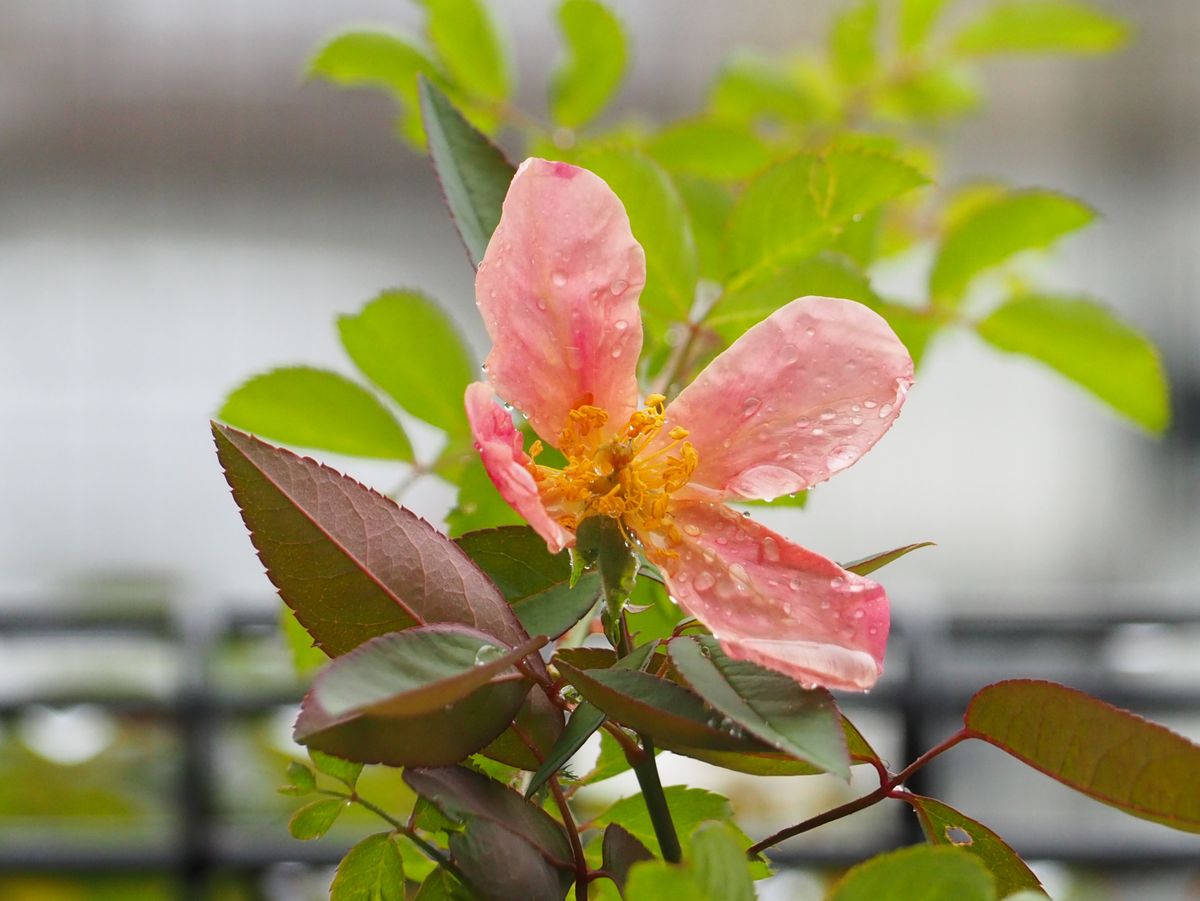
<point x="799" y="397"/>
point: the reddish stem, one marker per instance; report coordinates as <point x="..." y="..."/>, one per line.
<point x="581" y="867"/>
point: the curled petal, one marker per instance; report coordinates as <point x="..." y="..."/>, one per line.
<point x="797" y="398"/>
<point x="558" y="289"/>
<point x="775" y="603"/>
<point x="501" y="447"/>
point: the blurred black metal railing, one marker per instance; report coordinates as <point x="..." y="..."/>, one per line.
<point x="935" y="667"/>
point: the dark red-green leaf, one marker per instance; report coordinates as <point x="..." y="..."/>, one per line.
<point x="770" y="706"/>
<point x="536" y="582"/>
<point x="943" y="825"/>
<point x="441" y="886"/>
<point x="776" y="763"/>
<point x="621" y="850"/>
<point x="350" y="562"/>
<point x="878" y="561"/>
<point x="501" y="865"/>
<point x="540" y="722"/>
<point x="471" y="169"/>
<point x="462" y="794"/>
<point x="1107" y="753"/>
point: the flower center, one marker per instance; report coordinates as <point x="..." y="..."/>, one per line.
<point x="624" y="477"/>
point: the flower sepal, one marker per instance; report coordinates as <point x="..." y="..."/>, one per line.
<point x="601" y="543"/>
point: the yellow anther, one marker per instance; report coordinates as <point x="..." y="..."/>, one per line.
<point x="678" y="433"/>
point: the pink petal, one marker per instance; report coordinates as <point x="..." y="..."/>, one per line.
<point x="501" y="447"/>
<point x="798" y="397"/>
<point x="558" y="288"/>
<point x="774" y="603"/>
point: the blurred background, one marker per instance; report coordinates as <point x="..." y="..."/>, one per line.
<point x="179" y="210"/>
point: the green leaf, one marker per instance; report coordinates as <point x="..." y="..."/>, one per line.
<point x="996" y="230"/>
<point x="878" y="561"/>
<point x="1041" y="26"/>
<point x="600" y="542"/>
<point x="825" y="275"/>
<point x="473" y="172"/>
<point x="936" y="91"/>
<point x="466" y="41"/>
<point x="539" y="722"/>
<point x="534" y="581"/>
<point x="479" y="504"/>
<point x="794" y="208"/>
<point x="1104" y="752"/>
<point x="776" y="763"/>
<point x="716" y="870"/>
<point x="916" y="20"/>
<point x="708" y="206"/>
<point x="943" y="825"/>
<point x="1089" y="345"/>
<point x="461" y="794"/>
<point x="441" y="886"/>
<point x="314" y="820"/>
<point x="350" y="562"/>
<point x="769" y="705"/>
<point x="708" y="148"/>
<point x="620" y="851"/>
<point x="301" y="780"/>
<point x="584" y="722"/>
<point x="372" y="870"/>
<point x="750" y="88"/>
<point x="660" y="223"/>
<point x="406" y="345"/>
<point x="344" y="771"/>
<point x="428" y="696"/>
<point x="318" y="409"/>
<point x="378" y="59"/>
<point x="307" y="658"/>
<point x="853" y="39"/>
<point x="595" y="62"/>
<point x="919" y="873"/>
<point x="610" y="762"/>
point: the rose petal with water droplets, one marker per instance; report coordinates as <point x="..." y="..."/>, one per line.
<point x="758" y="394"/>
<point x="502" y="449"/>
<point x="558" y="289"/>
<point x="775" y="603"/>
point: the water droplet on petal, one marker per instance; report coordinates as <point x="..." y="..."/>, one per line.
<point x="559" y="278"/>
<point x="616" y="352"/>
<point x="818" y="432"/>
<point x="828" y="416"/>
<point x="705" y="581"/>
<point x="541" y="304"/>
<point x="794" y="584"/>
<point x="770" y="549"/>
<point x="859" y="613"/>
<point x="840" y="457"/>
<point x="857" y="420"/>
<point x="810" y="332"/>
<point x="620" y="325"/>
<point x="618" y="287"/>
<point x="789" y="353"/>
<point x="691" y="529"/>
<point x="885" y="411"/>
<point x="739" y="572"/>
<point x="750" y="406"/>
<point x="870" y="404"/>
<point x="836" y="582"/>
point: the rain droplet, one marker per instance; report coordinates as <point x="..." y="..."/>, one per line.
<point x="705" y="581"/>
<point x="739" y="572"/>
<point x="825" y="605"/>
<point x="616" y="352"/>
<point x="487" y="653"/>
<point x="810" y="332"/>
<point x="828" y="416"/>
<point x="857" y="420"/>
<point x="770" y="549"/>
<point x="691" y="529"/>
<point x="855" y="408"/>
<point x="620" y="325"/>
<point x="559" y="278"/>
<point x="870" y="404"/>
<point x="541" y="304"/>
<point x="789" y="353"/>
<point x="750" y="406"/>
<point x="794" y="584"/>
<point x="818" y="432"/>
<point x="885" y="411"/>
<point x="859" y="613"/>
<point x="618" y="287"/>
<point x="836" y="582"/>
<point x="840" y="457"/>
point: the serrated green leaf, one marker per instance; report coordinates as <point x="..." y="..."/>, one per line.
<point x="319" y="409"/>
<point x="878" y="561"/>
<point x="751" y="89"/>
<point x="796" y="207"/>
<point x="406" y="345"/>
<point x="769" y="705"/>
<point x="710" y="148"/>
<point x="350" y="562"/>
<point x="610" y="762"/>
<point x="441" y="886"/>
<point x="719" y="862"/>
<point x="468" y="45"/>
<point x="584" y="722"/>
<point x="919" y="873"/>
<point x="943" y="825"/>
<point x="595" y="62"/>
<point x="1041" y="26"/>
<point x="660" y="223"/>
<point x="708" y="206"/>
<point x="996" y="230"/>
<point x="1108" y="754"/>
<point x="301" y="780"/>
<point x="534" y="581"/>
<point x="620" y="851"/>
<point x="313" y="820"/>
<point x="853" y="41"/>
<point x="1089" y="345"/>
<point x="916" y="20"/>
<point x="600" y="542"/>
<point x="382" y="60"/>
<point x="473" y="172"/>
<point x="344" y="771"/>
<point x="372" y="870"/>
<point x="938" y="91"/>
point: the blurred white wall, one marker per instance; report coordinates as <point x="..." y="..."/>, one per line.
<point x="178" y="211"/>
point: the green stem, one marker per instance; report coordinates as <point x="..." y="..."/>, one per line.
<point x="431" y="851"/>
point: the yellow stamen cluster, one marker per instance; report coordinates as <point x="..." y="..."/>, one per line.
<point x="616" y="477"/>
